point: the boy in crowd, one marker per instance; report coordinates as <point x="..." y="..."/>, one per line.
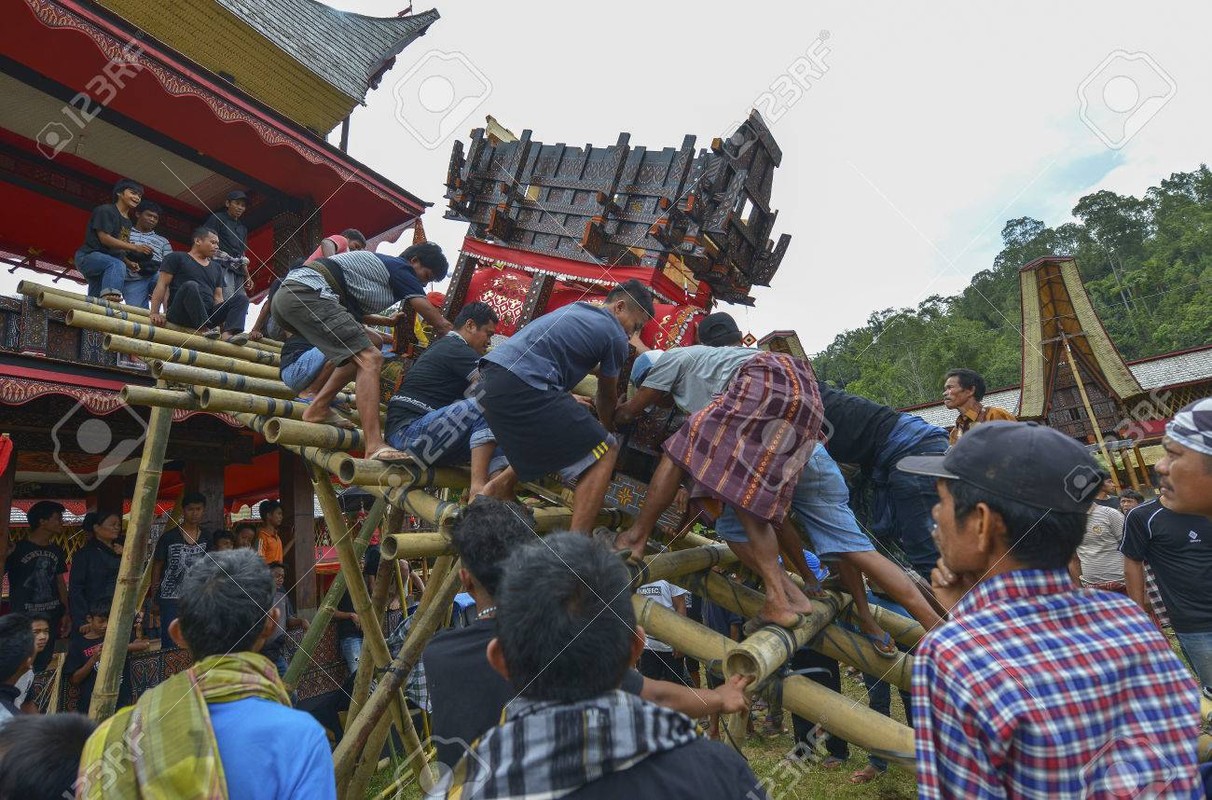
<point x="1033" y="689"/>
<point x="178" y="549"/>
<point x="659" y="660"/>
<point x="37" y="568"/>
<point x="190" y="293"/>
<point x="102" y="257"/>
<point x="233" y="241"/>
<point x="1129" y="499"/>
<point x="41" y="627"/>
<point x="526" y="396"/>
<point x="269" y="541"/>
<point x="349" y="632"/>
<point x="223" y="540"/>
<point x="139" y="289"/>
<point x="40" y="755"/>
<point x="466" y="693"/>
<point x="84" y="654"/>
<point x="566" y="637"/>
<point x="16" y="658"/>
<point x="325" y="302"/>
<point x="433" y="416"/>
<point x="275" y="646"/>
<point x="245" y="534"/>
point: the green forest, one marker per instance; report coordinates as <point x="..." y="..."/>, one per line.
<point x="1147" y="263"/>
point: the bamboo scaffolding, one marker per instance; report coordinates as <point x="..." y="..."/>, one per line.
<point x="311" y="434"/>
<point x="323" y="616"/>
<point x="125" y="313"/>
<point x="200" y="376"/>
<point x="160" y="398"/>
<point x="130" y="569"/>
<point x="225" y="400"/>
<point x="904" y="630"/>
<point x="674" y="563"/>
<point x="374" y="643"/>
<point x="145" y="330"/>
<point x="408" y="546"/>
<point x="839" y="715"/>
<point x="151" y="351"/>
<point x="378" y="607"/>
<point x="368" y="472"/>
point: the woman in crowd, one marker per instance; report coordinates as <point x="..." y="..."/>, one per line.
<point x="94" y="567"/>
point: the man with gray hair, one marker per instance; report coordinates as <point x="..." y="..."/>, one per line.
<point x="224" y="727"/>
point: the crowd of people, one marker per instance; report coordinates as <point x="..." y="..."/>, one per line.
<point x="1044" y="670"/>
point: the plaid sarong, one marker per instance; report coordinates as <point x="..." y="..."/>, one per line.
<point x="749" y="445"/>
<point x="164" y="746"/>
<point x="549" y="750"/>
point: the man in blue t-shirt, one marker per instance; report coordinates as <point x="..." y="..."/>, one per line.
<point x="527" y="402"/>
<point x="326" y="301"/>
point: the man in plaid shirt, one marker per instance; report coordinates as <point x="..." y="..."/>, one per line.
<point x="1035" y="687"/>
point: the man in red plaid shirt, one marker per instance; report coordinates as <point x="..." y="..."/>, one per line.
<point x="1037" y="688"/>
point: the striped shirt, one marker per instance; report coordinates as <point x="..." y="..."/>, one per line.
<point x="374" y="281"/>
<point x="1036" y="689"/>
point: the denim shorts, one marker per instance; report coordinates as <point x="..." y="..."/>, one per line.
<point x="299" y="375"/>
<point x="820" y="502"/>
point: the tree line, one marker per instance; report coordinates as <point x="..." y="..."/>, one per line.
<point x="1147" y="264"/>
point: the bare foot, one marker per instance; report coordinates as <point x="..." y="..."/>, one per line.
<point x="314" y="413"/>
<point x="796" y="598"/>
<point x="783" y="616"/>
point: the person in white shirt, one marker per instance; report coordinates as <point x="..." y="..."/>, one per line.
<point x="660" y="661"/>
<point x="1098" y="562"/>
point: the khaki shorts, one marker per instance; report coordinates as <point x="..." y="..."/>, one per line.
<point x="324" y="323"/>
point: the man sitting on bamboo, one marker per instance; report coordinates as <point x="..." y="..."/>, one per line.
<point x="325" y="302"/>
<point x="433" y="416"/>
<point x="189" y="292"/>
<point x="755" y="418"/>
<point x="224" y="727"/>
<point x="527" y="400"/>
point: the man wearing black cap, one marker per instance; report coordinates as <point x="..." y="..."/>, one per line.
<point x="233" y="241"/>
<point x="1035" y="688"/>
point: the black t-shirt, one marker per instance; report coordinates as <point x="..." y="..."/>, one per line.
<point x="33" y="577"/>
<point x="232" y="233"/>
<point x="1179" y="549"/>
<point x="345" y="628"/>
<point x="109" y="219"/>
<point x="703" y="770"/>
<point x="855" y="427"/>
<point x="184" y="267"/>
<point x="439" y="377"/>
<point x="467" y="694"/>
<point x="79" y="650"/>
<point x="177" y="555"/>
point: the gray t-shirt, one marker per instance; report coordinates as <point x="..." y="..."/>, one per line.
<point x="696" y="374"/>
<point x="557" y="350"/>
<point x="374" y="281"/>
<point x="1099" y="551"/>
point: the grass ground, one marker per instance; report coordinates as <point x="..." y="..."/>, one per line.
<point x="798" y="778"/>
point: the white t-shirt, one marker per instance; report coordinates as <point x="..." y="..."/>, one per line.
<point x="1099" y="552"/>
<point x="663" y="592"/>
<point x="23" y="684"/>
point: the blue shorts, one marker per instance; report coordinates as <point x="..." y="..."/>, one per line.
<point x="299" y="375"/>
<point x="821" y="502"/>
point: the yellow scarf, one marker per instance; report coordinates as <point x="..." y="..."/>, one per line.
<point x="164" y="746"/>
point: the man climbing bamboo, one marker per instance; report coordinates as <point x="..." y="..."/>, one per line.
<point x="754" y="419"/>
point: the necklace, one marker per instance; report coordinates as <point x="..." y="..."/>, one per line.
<point x="486" y="613"/>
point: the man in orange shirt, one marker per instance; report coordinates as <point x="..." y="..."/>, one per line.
<point x="269" y="543"/>
<point x="963" y="392"/>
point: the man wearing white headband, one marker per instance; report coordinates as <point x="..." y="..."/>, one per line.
<point x="1186" y="468"/>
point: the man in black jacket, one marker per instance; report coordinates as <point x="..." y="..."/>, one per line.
<point x="566" y="637"/>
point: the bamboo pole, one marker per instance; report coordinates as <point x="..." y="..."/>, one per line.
<point x="151" y="351"/>
<point x="835" y="713"/>
<point x="408" y="546"/>
<point x="134" y="395"/>
<point x="673" y="563"/>
<point x="368" y="472"/>
<point x="761" y="654"/>
<point x="130" y="569"/>
<point x="328" y="437"/>
<point x="358" y="740"/>
<point x="64" y="302"/>
<point x="378" y="607"/>
<point x="154" y="333"/>
<point x="1098" y="432"/>
<point x="373" y="641"/>
<point x="298" y="663"/>
<point x="225" y="400"/>
<point x="904" y="630"/>
<point x="200" y="376"/>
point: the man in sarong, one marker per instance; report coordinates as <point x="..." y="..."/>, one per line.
<point x="755" y="418"/>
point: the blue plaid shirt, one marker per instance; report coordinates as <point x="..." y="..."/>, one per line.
<point x="1036" y="689"/>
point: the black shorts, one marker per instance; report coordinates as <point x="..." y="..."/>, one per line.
<point x="541" y="431"/>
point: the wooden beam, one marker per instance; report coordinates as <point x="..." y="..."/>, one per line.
<point x="298" y="528"/>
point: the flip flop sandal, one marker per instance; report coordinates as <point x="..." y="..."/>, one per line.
<point x="338" y="421"/>
<point x="389" y="455"/>
<point x="238" y="339"/>
<point x="832" y="762"/>
<point x="112" y="297"/>
<point x="866" y="775"/>
<point x="882" y="643"/>
<point x="757" y="623"/>
<point x="211" y="333"/>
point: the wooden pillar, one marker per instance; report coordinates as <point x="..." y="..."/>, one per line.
<point x="298" y="528"/>
<point x="111" y="494"/>
<point x="8" y="478"/>
<point x="207" y="477"/>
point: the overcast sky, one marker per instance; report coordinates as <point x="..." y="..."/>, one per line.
<point x="932" y="124"/>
